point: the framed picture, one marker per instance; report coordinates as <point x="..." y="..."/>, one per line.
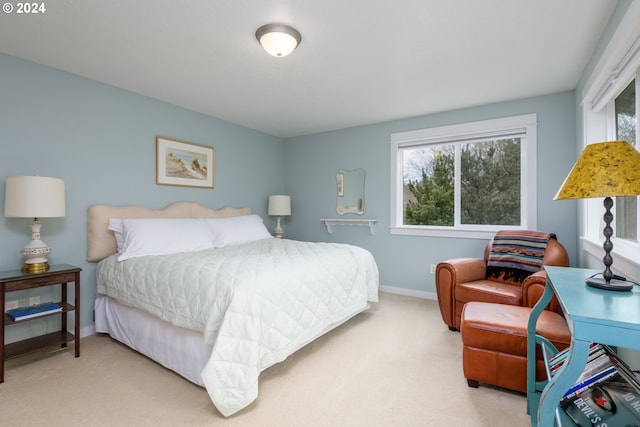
<point x="183" y="163"/>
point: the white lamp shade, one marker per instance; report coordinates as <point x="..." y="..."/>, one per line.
<point x="278" y="44"/>
<point x="34" y="197"/>
<point x="278" y="39"/>
<point x="279" y="205"/>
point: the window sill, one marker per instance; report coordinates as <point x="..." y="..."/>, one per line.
<point x="407" y="230"/>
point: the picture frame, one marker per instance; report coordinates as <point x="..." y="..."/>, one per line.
<point x="184" y="164"/>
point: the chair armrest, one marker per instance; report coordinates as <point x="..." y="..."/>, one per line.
<point x="532" y="289"/>
<point x="448" y="275"/>
<point x="464" y="269"/>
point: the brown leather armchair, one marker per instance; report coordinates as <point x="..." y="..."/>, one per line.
<point x="461" y="280"/>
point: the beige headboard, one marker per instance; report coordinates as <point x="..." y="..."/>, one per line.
<point x="101" y="242"/>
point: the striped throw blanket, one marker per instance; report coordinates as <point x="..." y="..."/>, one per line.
<point x="517" y="254"/>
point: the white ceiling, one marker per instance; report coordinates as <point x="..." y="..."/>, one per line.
<point x="360" y="61"/>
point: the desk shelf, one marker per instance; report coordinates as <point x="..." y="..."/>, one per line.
<point x="37" y="343"/>
<point x="57" y="275"/>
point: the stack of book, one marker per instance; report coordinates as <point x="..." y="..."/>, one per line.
<point x="606" y="393"/>
<point x="24" y="313"/>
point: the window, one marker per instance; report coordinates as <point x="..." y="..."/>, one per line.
<point x="470" y="179"/>
<point x="609" y="109"/>
<point x="626" y="123"/>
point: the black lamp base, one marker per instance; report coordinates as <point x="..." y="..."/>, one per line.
<point x="613" y="285"/>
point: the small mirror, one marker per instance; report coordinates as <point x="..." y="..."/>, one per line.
<point x="351" y="191"/>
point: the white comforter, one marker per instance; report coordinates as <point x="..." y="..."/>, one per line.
<point x="256" y="302"/>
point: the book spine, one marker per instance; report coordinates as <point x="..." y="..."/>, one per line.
<point x="562" y="354"/>
<point x="589" y="382"/>
<point x="596" y="365"/>
<point x="25" y="316"/>
<point x="592" y="356"/>
<point x="33" y="316"/>
<point x="558" y="360"/>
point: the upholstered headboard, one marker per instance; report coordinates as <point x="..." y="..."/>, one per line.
<point x="101" y="242"/>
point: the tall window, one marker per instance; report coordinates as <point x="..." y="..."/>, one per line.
<point x="464" y="178"/>
<point x="610" y="104"/>
<point x="626" y="123"/>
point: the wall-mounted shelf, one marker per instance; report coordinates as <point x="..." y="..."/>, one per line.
<point x="330" y="223"/>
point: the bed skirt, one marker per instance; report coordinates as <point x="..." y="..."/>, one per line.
<point x="181" y="350"/>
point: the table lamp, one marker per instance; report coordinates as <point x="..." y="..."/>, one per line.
<point x="605" y="169"/>
<point x="34" y="197"/>
<point x="279" y="205"/>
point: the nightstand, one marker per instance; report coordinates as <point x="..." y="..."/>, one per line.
<point x="16" y="280"/>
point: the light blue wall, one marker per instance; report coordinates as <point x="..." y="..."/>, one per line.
<point x="101" y="141"/>
<point x="404" y="261"/>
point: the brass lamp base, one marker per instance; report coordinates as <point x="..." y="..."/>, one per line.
<point x="36" y="251"/>
<point x="39" y="267"/>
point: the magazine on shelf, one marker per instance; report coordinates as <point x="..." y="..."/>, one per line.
<point x="556" y="362"/>
<point x="625" y="370"/>
<point x="607" y="393"/>
<point x="562" y="354"/>
<point x="599" y="367"/>
<point x="613" y="402"/>
<point x="592" y="356"/>
<point x="24" y="313"/>
<point x="590" y="382"/>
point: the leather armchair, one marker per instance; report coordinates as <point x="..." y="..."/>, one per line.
<point x="462" y="280"/>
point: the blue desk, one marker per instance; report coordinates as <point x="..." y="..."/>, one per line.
<point x="593" y="315"/>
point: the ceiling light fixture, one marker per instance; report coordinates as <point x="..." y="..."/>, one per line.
<point x="278" y="39"/>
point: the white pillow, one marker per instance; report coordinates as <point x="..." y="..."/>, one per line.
<point x="160" y="236"/>
<point x="237" y="229"/>
<point x="115" y="225"/>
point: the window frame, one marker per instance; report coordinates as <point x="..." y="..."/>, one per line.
<point x="601" y="126"/>
<point x="611" y="74"/>
<point x="458" y="133"/>
<point x="613" y="119"/>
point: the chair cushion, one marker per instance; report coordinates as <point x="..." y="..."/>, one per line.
<point x="489" y="291"/>
<point x="503" y="328"/>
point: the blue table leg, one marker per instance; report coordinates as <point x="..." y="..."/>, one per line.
<point x="532" y="396"/>
<point x="562" y="381"/>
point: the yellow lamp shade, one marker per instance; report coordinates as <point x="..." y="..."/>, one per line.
<point x="605" y="169"/>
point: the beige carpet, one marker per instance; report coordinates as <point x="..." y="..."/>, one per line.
<point x="394" y="365"/>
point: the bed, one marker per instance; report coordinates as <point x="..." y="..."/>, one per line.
<point x="211" y="295"/>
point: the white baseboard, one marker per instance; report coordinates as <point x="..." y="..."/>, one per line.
<point x="409" y="292"/>
<point x="87" y="331"/>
